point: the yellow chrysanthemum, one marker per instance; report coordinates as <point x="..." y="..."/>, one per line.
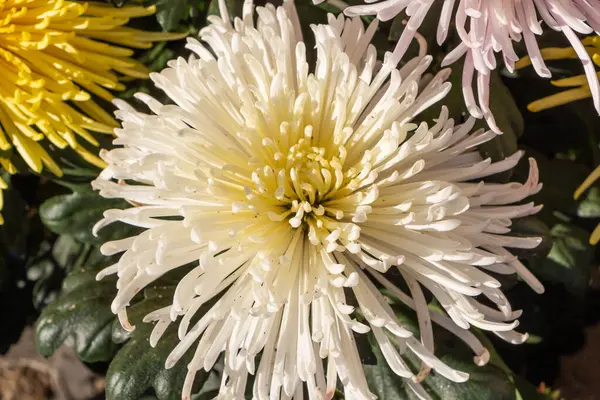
<point x="54" y="55"/>
<point x="579" y="83"/>
<point x="581" y="91"/>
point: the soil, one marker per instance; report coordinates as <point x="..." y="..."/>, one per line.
<point x="580" y="372"/>
<point x="27" y="380"/>
<point x="25" y="375"/>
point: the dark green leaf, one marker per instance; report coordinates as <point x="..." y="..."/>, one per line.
<point x="529" y="392"/>
<point x="589" y="206"/>
<point x="560" y="179"/>
<point x="211" y="386"/>
<point x="66" y="251"/>
<point x="570" y="259"/>
<point x="47" y="280"/>
<point x="53" y="261"/>
<point x="509" y="120"/>
<point x="234" y="7"/>
<point x="532" y="227"/>
<point x="365" y="351"/>
<point x="502" y="104"/>
<point x="156" y="60"/>
<point x="80" y="317"/>
<point x="490" y="382"/>
<point x="119" y="3"/>
<point x="75" y="214"/>
<point x="170" y="12"/>
<point x="428" y="29"/>
<point x="486" y="383"/>
<point x="137" y="367"/>
<point x="523" y="389"/>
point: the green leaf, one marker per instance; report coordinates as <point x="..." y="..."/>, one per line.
<point x="490" y="382"/>
<point x="157" y="57"/>
<point x="569" y="261"/>
<point x="526" y="391"/>
<point x="75" y="214"/>
<point x="509" y="120"/>
<point x="365" y="350"/>
<point x="523" y="389"/>
<point x="137" y="367"/>
<point x="560" y="179"/>
<point x="428" y="29"/>
<point x="503" y="106"/>
<point x="80" y="317"/>
<point x="46" y="277"/>
<point x="532" y="227"/>
<point x="507" y="115"/>
<point x="170" y="12"/>
<point x="485" y="383"/>
<point x="234" y="7"/>
<point x="118" y="3"/>
<point x="156" y="60"/>
<point x="211" y="386"/>
<point x="66" y="251"/>
<point x="589" y="206"/>
<point x="53" y="261"/>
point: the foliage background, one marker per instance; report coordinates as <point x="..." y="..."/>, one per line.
<point x="49" y="257"/>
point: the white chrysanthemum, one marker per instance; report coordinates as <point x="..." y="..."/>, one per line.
<point x="489" y="26"/>
<point x="294" y="188"/>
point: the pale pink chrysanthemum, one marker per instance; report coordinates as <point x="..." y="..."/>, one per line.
<point x="487" y="27"/>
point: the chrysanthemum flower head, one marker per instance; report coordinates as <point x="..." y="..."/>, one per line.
<point x="486" y="27"/>
<point x="54" y="55"/>
<point x="292" y="190"/>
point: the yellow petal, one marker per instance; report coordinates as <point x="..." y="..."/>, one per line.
<point x="579" y="80"/>
<point x="589" y="181"/>
<point x="101" y="9"/>
<point x="549" y="53"/>
<point x="56" y="56"/>
<point x="559" y="99"/>
<point x="595" y="237"/>
<point x="91" y="158"/>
